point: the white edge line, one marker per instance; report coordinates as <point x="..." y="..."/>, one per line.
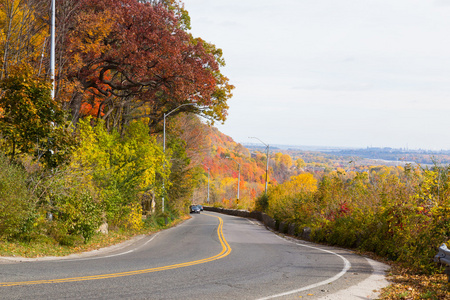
<point x="254" y="223"/>
<point x="108" y="256"/>
<point x="344" y="270"/>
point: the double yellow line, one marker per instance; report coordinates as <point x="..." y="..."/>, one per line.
<point x="226" y="249"/>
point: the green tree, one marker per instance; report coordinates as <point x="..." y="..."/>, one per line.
<point x="121" y="167"/>
<point x="30" y="120"/>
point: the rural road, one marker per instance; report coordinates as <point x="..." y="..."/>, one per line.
<point x="210" y="256"/>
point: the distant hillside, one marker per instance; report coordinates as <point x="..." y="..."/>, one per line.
<point x="398" y="155"/>
<point x="225" y="156"/>
<point x="379" y="155"/>
<point x="224" y="159"/>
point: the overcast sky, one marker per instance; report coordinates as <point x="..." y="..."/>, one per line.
<point x="348" y="73"/>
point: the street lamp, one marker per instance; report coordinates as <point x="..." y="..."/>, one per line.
<point x="239" y="176"/>
<point x="164" y="147"/>
<point x="207" y="200"/>
<point x="267" y="160"/>
<point x="52" y="48"/>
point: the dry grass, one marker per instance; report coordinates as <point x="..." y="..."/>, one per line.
<point x="407" y="285"/>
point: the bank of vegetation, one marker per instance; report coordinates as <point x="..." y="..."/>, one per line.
<point x="87" y="149"/>
<point x="399" y="213"/>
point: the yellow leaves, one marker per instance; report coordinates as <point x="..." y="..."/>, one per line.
<point x="134" y="218"/>
<point x="109" y="157"/>
<point x="92" y="31"/>
<point x="300" y="163"/>
<point x="340" y="171"/>
<point x="22" y="34"/>
<point x="285" y="197"/>
<point x="303" y="183"/>
<point x="283" y="160"/>
<point x="428" y="191"/>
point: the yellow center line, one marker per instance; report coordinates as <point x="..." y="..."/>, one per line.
<point x="226" y="249"/>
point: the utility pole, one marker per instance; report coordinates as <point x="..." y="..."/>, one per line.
<point x="267" y="159"/>
<point x="239" y="177"/>
<point x="207" y="200"/>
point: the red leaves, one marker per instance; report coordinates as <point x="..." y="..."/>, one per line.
<point x="151" y="61"/>
<point x="344" y="209"/>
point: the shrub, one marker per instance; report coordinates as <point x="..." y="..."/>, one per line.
<point x="262" y="202"/>
<point x="73" y="204"/>
<point x="16" y="202"/>
<point x="155" y="221"/>
<point x="78" y="213"/>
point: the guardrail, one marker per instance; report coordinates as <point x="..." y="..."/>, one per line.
<point x="443" y="257"/>
<point x="290" y="229"/>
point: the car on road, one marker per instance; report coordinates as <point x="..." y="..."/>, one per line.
<point x="194" y="209"/>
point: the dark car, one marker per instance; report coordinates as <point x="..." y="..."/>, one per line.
<point x="194" y="209"/>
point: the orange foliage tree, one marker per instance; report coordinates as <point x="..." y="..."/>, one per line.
<point x="139" y="62"/>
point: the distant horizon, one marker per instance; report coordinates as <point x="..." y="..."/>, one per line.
<point x="316" y="147"/>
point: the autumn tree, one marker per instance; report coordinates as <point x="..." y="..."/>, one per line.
<point x="22" y="33"/>
<point x="286" y="199"/>
<point x="281" y="167"/>
<point x="31" y="121"/>
<point x="300" y="163"/>
<point x="140" y="63"/>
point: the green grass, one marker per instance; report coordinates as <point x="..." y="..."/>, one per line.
<point x="49" y="247"/>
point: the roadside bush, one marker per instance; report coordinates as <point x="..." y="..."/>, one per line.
<point x="286" y="200"/>
<point x="78" y="213"/>
<point x="134" y="217"/>
<point x="262" y="203"/>
<point x="156" y="221"/>
<point x="344" y="231"/>
<point x="17" y="203"/>
<point x="69" y="206"/>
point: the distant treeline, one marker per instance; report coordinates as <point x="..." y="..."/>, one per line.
<point x="400" y="155"/>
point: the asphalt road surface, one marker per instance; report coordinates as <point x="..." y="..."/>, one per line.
<point x="210" y="256"/>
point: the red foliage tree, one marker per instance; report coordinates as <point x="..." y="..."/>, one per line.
<point x="141" y="63"/>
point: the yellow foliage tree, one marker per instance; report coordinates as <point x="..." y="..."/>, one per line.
<point x="285" y="198"/>
<point x="21" y="36"/>
<point x="300" y="163"/>
<point x="121" y="167"/>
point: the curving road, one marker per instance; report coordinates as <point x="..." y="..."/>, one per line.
<point x="210" y="256"/>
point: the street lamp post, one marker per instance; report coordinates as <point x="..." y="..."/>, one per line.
<point x="267" y="159"/>
<point x="207" y="200"/>
<point x="239" y="177"/>
<point x="164" y="147"/>
<point x="52" y="48"/>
